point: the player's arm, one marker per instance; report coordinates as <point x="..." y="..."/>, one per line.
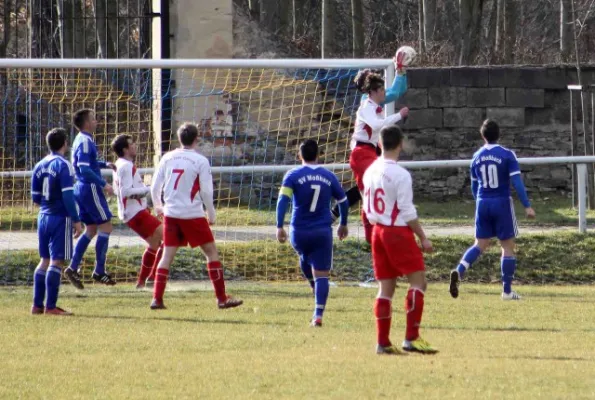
<point x="341" y="197"/>
<point x="397" y="89"/>
<point x="126" y="179"/>
<point x="157" y="186"/>
<point x="376" y="121"/>
<point x="36" y="188"/>
<point x="206" y="190"/>
<point x="474" y="182"/>
<point x="408" y="212"/>
<point x="514" y="171"/>
<point x="85" y="154"/>
<point x="67" y="186"/>
<point x="285" y="195"/>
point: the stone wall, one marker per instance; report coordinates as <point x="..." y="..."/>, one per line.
<point x="531" y="104"/>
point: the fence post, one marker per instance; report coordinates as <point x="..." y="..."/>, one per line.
<point x="581" y="171"/>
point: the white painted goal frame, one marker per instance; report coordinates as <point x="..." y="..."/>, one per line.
<point x="387" y="64"/>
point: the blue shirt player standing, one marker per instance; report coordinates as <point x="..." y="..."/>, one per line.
<point x="89" y="194"/>
<point x="51" y="189"/>
<point x="493" y="169"/>
<point x="311" y="189"/>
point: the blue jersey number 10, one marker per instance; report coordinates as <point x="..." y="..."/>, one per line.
<point x="489" y="179"/>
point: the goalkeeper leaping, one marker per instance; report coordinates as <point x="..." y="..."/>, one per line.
<point x="369" y="121"/>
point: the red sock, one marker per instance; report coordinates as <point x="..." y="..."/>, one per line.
<point x="383" y="312"/>
<point x="160" y="283"/>
<point x="414" y="305"/>
<point x="216" y="276"/>
<point x="367" y="227"/>
<point x="151" y="276"/>
<point x="146" y="265"/>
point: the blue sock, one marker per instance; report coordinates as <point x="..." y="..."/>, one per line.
<point x="307" y="272"/>
<point x="469" y="258"/>
<point x="79" y="252"/>
<point x="320" y="295"/>
<point x="508" y="265"/>
<point x="52" y="284"/>
<point x="39" y="287"/>
<point x="101" y="252"/>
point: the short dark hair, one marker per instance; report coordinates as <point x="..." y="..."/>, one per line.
<point x="309" y="150"/>
<point x="120" y="143"/>
<point x="490" y="131"/>
<point x="372" y="81"/>
<point x="391" y="137"/>
<point x="56" y="139"/>
<point x="80" y="117"/>
<point x="187" y="133"/>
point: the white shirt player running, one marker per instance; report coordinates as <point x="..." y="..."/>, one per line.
<point x="184" y="177"/>
<point x="369" y="121"/>
<point x="130" y="190"/>
<point x="388" y="194"/>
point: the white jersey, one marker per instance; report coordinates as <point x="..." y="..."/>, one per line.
<point x="388" y="194"/>
<point x="369" y="121"/>
<point x="130" y="190"/>
<point x="184" y="177"/>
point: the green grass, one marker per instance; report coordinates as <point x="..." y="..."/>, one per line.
<point x="543" y="258"/>
<point x="554" y="211"/>
<point x="116" y="348"/>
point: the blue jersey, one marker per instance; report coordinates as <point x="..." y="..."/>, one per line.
<point x="84" y="153"/>
<point x="492" y="167"/>
<point x="52" y="176"/>
<point x="311" y="188"/>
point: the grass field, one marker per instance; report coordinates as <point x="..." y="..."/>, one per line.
<point x="115" y="347"/>
<point x="552" y="211"/>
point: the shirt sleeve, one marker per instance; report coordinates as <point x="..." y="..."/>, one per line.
<point x="287" y="186"/>
<point x="337" y="190"/>
<point x="206" y="189"/>
<point x="67" y="183"/>
<point x="157" y="185"/>
<point x="513" y="165"/>
<point x="376" y="121"/>
<point x="36" y="187"/>
<point x="407" y="210"/>
<point x="86" y="153"/>
<point x="397" y="89"/>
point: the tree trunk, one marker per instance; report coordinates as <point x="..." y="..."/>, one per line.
<point x="429" y="11"/>
<point x="357" y="25"/>
<point x="7" y="29"/>
<point x="70" y="28"/>
<point x="106" y="12"/>
<point x="510" y="25"/>
<point x="420" y="15"/>
<point x="493" y="27"/>
<point x="254" y="7"/>
<point x="499" y="26"/>
<point x="326" y="46"/>
<point x="565" y="31"/>
<point x="470" y="23"/>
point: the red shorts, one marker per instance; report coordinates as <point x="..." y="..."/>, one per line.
<point x="395" y="252"/>
<point x="182" y="232"/>
<point x="360" y="159"/>
<point x="144" y="224"/>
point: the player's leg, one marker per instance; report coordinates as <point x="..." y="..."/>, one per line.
<point x="387" y="282"/>
<point x="507" y="232"/>
<point x="161" y="277"/>
<point x="414" y="306"/>
<point x="296" y="239"/>
<point x="155" y="242"/>
<point x="215" y="270"/>
<point x="60" y="250"/>
<point x="149" y="228"/>
<point x="40" y="272"/>
<point x="83" y="199"/>
<point x="484" y="231"/>
<point x="321" y="259"/>
<point x="359" y="160"/>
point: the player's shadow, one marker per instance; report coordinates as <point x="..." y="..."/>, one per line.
<point x="176" y="319"/>
<point x="540" y="358"/>
<point x="503" y="329"/>
<point x="275" y="293"/>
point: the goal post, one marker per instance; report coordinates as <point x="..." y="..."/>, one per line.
<point x="251" y="113"/>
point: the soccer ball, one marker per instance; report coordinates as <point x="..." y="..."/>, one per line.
<point x="405" y="55"/>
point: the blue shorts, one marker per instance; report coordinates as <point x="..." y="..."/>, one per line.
<point x="315" y="248"/>
<point x="55" y="237"/>
<point x="93" y="208"/>
<point x="495" y="218"/>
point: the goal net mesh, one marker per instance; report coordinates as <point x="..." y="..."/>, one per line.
<point x="246" y="117"/>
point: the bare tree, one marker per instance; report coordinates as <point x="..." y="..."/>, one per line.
<point x="326" y="46"/>
<point x="565" y="31"/>
<point x="357" y="26"/>
<point x="71" y="30"/>
<point x="470" y="12"/>
<point x="254" y="7"/>
<point x="510" y="26"/>
<point x="7" y="29"/>
<point x="429" y="12"/>
<point x="106" y="14"/>
<point x="420" y="29"/>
